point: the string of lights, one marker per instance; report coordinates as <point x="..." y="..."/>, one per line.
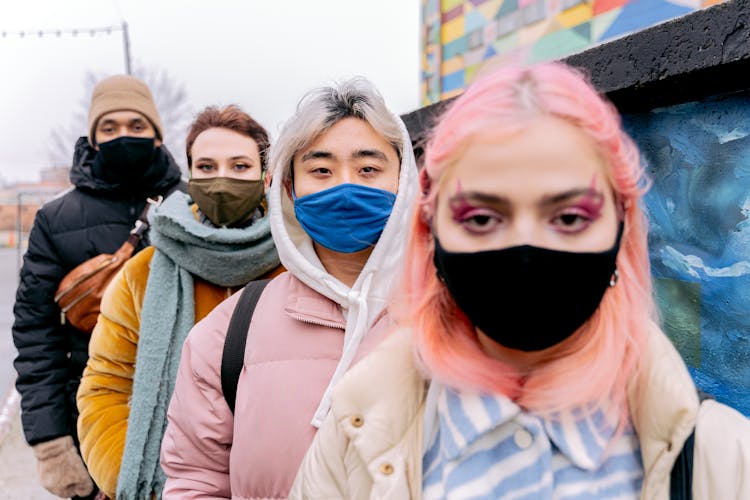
<point x="60" y="32"/>
<point x="107" y="30"/>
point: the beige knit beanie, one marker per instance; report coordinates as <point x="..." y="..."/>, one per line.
<point x="122" y="93"/>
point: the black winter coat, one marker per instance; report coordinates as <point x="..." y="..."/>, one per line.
<point x="92" y="218"/>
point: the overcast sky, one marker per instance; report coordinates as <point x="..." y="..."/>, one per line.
<point x="262" y="55"/>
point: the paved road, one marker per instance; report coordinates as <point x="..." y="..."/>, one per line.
<point x="18" y="480"/>
<point x="8" y="283"/>
<point x="17" y="465"/>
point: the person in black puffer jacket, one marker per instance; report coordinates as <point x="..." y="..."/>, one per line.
<point x="119" y="166"/>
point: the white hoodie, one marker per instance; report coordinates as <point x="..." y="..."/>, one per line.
<point x="365" y="300"/>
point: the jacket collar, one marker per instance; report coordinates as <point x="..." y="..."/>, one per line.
<point x="465" y="417"/>
<point x="82" y="176"/>
<point x="306" y="305"/>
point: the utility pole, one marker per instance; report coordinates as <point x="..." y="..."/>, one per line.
<point x="126" y="46"/>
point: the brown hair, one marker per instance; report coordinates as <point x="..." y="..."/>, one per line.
<point x="232" y="118"/>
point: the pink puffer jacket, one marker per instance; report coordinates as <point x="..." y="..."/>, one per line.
<point x="294" y="345"/>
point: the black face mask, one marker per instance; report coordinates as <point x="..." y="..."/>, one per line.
<point x="124" y="160"/>
<point x="525" y="297"/>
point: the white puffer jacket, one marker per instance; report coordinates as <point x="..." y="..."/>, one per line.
<point x="370" y="446"/>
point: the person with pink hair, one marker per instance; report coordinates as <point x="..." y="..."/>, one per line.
<point x="528" y="361"/>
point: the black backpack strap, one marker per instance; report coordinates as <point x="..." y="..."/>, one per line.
<point x="233" y="355"/>
<point x="681" y="479"/>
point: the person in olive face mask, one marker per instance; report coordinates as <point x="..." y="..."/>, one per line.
<point x="206" y="245"/>
<point x="114" y="170"/>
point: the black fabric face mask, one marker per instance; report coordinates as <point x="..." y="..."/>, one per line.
<point x="527" y="298"/>
<point x="125" y="160"/>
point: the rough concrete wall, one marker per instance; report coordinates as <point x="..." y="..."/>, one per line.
<point x="702" y="54"/>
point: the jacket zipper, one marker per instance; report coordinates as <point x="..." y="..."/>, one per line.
<point x="318" y="322"/>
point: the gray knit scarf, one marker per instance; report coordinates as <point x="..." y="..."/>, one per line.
<point x="184" y="247"/>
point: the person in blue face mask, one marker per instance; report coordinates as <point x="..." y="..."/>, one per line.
<point x="343" y="179"/>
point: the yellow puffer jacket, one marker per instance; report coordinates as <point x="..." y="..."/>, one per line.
<point x="107" y="382"/>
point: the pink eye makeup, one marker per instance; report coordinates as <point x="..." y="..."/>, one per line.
<point x="474" y="218"/>
<point x="459" y="206"/>
<point x="581" y="213"/>
<point x="568" y="212"/>
<point x="592" y="202"/>
<point x="591" y="205"/>
<point x="462" y="209"/>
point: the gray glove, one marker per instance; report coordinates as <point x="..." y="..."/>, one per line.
<point x="60" y="468"/>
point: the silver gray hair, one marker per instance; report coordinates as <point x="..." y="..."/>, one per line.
<point x="323" y="107"/>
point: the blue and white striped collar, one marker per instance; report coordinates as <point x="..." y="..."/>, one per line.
<point x="465" y="417"/>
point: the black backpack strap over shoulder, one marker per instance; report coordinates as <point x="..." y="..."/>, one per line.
<point x="233" y="355"/>
<point x="681" y="479"/>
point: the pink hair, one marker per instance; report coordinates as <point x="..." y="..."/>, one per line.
<point x="592" y="368"/>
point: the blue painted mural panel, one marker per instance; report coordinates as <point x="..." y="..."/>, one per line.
<point x="698" y="158"/>
<point x="638" y="14"/>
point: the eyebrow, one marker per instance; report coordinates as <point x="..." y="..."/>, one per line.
<point x="315" y="155"/>
<point x="479" y="197"/>
<point x="572" y="193"/>
<point x="370" y="153"/>
<point x="241" y="157"/>
<point x="553" y="199"/>
<point x="110" y="121"/>
<point x="360" y="153"/>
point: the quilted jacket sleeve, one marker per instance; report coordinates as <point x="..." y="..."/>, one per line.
<point x="107" y="382"/>
<point x="42" y="342"/>
<point x="198" y="440"/>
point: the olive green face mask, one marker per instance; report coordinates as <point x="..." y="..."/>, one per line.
<point x="226" y="201"/>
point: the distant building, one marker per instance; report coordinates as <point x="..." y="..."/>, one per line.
<point x="59" y="176"/>
<point x="460" y="35"/>
<point x="20" y="201"/>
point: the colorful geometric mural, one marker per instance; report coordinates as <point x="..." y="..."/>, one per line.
<point x="459" y="35"/>
<point x="698" y="158"/>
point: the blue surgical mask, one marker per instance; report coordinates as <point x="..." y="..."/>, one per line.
<point x="346" y="218"/>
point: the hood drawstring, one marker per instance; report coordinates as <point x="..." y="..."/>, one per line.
<point x="357" y="302"/>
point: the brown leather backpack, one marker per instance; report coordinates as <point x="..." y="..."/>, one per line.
<point x="80" y="292"/>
